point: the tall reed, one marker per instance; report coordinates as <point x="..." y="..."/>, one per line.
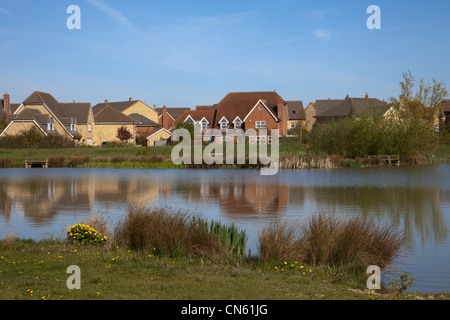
<point x="169" y="232"/>
<point x="328" y="239"/>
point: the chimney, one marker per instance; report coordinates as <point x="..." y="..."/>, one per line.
<point x="165" y="118"/>
<point x="106" y="100"/>
<point x="6" y="105"/>
<point x="367" y="96"/>
<point x="402" y="102"/>
<point x="282" y="114"/>
<point x="131" y="99"/>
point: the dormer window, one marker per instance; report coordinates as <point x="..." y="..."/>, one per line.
<point x="51" y="124"/>
<point x="223" y="124"/>
<point x="204" y="124"/>
<point x="189" y="120"/>
<point x="237" y="123"/>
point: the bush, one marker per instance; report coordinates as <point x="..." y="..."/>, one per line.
<point x="359" y="137"/>
<point x="34" y="138"/>
<point x="84" y="234"/>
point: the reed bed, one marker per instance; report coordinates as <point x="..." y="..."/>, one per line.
<point x="169" y="232"/>
<point x="299" y="162"/>
<point x="328" y="239"/>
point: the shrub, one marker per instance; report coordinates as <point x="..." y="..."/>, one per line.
<point x="34" y="138"/>
<point x="84" y="234"/>
<point x="359" y="137"/>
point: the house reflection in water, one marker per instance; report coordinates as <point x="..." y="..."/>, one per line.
<point x="41" y="199"/>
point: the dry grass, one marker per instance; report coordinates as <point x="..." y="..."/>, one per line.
<point x="167" y="232"/>
<point x="279" y="241"/>
<point x="336" y="240"/>
<point x="328" y="239"/>
<point x="10" y="239"/>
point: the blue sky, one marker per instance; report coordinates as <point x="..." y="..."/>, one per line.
<point x="187" y="53"/>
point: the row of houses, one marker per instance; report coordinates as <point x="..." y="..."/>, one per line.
<point x="94" y="125"/>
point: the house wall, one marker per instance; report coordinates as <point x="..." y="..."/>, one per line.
<point x="16" y="127"/>
<point x="260" y="115"/>
<point x="108" y="132"/>
<point x="142" y="109"/>
<point x="297" y="123"/>
<point x="162" y="134"/>
<point x="58" y="127"/>
<point x="310" y="112"/>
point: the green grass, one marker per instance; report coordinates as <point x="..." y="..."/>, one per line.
<point x="288" y="149"/>
<point x="32" y="270"/>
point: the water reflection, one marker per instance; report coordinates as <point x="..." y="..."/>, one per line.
<point x="415" y="199"/>
<point x="417" y="209"/>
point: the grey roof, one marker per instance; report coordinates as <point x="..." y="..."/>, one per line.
<point x="142" y="121"/>
<point x="345" y="107"/>
<point x="79" y="111"/>
<point x="109" y="114"/>
<point x="295" y="110"/>
<point x="120" y="105"/>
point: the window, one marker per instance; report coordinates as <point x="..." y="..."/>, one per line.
<point x="260" y="124"/>
<point x="237" y="124"/>
<point x="292" y="125"/>
<point x="189" y="120"/>
<point x="204" y="125"/>
<point x="51" y="124"/>
<point x="73" y="125"/>
<point x="223" y="124"/>
<point x="261" y="139"/>
<point x="89" y="127"/>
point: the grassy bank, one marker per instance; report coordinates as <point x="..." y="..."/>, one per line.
<point x="293" y="155"/>
<point x="159" y="254"/>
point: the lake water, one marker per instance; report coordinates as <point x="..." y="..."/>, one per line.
<point x="37" y="203"/>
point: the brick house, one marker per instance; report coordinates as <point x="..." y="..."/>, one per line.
<point x="242" y="111"/>
<point x="168" y="116"/>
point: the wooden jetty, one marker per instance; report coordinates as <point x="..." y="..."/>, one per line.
<point x="388" y="159"/>
<point x="36" y="164"/>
